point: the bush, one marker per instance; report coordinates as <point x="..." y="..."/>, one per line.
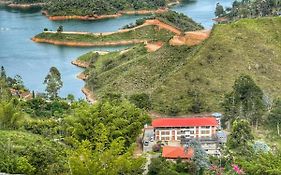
<point x="141" y="100"/>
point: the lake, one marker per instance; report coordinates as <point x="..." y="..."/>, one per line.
<point x="32" y="61"/>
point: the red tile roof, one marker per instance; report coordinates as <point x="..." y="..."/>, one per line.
<point x="174" y="152"/>
<point x="184" y="122"/>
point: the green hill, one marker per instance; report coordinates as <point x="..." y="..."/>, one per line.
<point x="183" y="80"/>
<point x="99" y="7"/>
<point x="150" y="33"/>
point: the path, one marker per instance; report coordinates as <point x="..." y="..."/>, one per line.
<point x="190" y="38"/>
<point x="154" y="22"/>
<point x="148" y="162"/>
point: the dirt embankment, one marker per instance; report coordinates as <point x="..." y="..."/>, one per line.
<point x="154" y="46"/>
<point x="98" y="17"/>
<point x="82" y="76"/>
<point x="163" y="25"/>
<point x="89" y="95"/>
<point x="88" y="44"/>
<point x="86" y="18"/>
<point x="80" y="63"/>
<point x="190" y="38"/>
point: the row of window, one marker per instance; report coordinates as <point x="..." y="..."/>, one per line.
<point x="205" y="132"/>
<point x="167" y="133"/>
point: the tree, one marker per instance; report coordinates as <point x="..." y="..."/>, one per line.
<point x="9" y="116"/>
<point x="5" y="93"/>
<point x="3" y="73"/>
<point x="18" y="82"/>
<point x="113" y="160"/>
<point x="219" y="10"/>
<point x="274" y="118"/>
<point x="53" y="82"/>
<point x="240" y="139"/>
<point x="60" y="28"/>
<point x="141" y="100"/>
<point x="244" y="102"/>
<point x="200" y="157"/>
<point x="70" y="98"/>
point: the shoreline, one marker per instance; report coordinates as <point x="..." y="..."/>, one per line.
<point x="99" y="17"/>
<point x="89" y="95"/>
<point x="25" y="6"/>
<point x="79" y="63"/>
<point x="20" y="6"/>
<point x="88" y="44"/>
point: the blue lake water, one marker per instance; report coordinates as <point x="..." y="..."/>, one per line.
<point x="19" y="55"/>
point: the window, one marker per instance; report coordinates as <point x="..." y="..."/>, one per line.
<point x="206" y="127"/>
<point x="191" y="132"/>
<point x="165" y="132"/>
<point x="205" y="132"/>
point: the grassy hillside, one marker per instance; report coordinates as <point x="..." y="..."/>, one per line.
<point x="146" y="32"/>
<point x="183" y="80"/>
<point x="249" y="46"/>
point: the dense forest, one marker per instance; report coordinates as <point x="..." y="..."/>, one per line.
<point x="98" y="7"/>
<point x="94" y="7"/>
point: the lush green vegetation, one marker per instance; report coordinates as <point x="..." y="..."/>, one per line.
<point x="144" y="33"/>
<point x="22" y="152"/>
<point x="51" y="135"/>
<point x="250" y="9"/>
<point x="99" y="7"/>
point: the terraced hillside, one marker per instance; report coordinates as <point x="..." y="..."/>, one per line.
<point x="194" y="79"/>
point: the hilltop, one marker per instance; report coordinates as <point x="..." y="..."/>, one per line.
<point x="182" y="79"/>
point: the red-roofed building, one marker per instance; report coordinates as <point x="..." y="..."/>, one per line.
<point x="173" y="129"/>
<point x="176" y="130"/>
<point x="175" y="152"/>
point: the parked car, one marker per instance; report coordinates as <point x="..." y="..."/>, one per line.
<point x="145" y="143"/>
